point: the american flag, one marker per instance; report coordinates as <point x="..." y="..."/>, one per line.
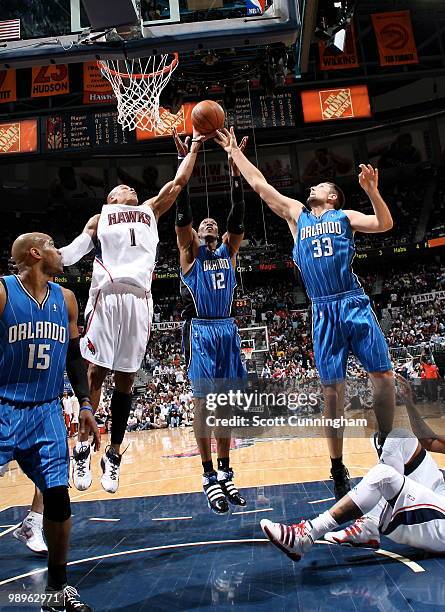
<point x="10" y="30"/>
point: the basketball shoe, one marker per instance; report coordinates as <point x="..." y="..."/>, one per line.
<point x="293" y="540"/>
<point x="111" y="465"/>
<point x="71" y="603"/>
<point x="30" y="533"/>
<point x="341" y="482"/>
<point x="363" y="533"/>
<point x="225" y="479"/>
<point x="82" y="466"/>
<point x="216" y="499"/>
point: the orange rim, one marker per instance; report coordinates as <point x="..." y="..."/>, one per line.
<point x="126" y="75"/>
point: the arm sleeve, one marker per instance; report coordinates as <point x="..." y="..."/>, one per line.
<point x="77" y="372"/>
<point x="235" y="220"/>
<point x="78" y="248"/>
<point x="184" y="215"/>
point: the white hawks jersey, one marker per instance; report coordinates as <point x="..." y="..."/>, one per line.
<point x="126" y="250"/>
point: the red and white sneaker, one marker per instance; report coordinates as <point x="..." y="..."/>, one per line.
<point x="363" y="533"/>
<point x="293" y="540"/>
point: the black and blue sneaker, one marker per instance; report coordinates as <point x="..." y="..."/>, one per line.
<point x="216" y="499"/>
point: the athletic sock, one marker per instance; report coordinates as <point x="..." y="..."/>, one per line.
<point x="34" y="517"/>
<point x="322" y="524"/>
<point x="120" y="411"/>
<point x="223" y="463"/>
<point x="337" y="463"/>
<point x="207" y="466"/>
<point x="57" y="579"/>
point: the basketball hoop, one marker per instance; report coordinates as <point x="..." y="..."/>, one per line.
<point x="247" y="351"/>
<point x="137" y="85"/>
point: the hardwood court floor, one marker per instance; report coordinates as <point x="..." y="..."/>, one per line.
<point x="166" y="461"/>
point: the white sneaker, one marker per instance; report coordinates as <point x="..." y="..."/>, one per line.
<point x="82" y="466"/>
<point x="111" y="465"/>
<point x="30" y="533"/>
<point x="363" y="533"/>
<point x="293" y="540"/>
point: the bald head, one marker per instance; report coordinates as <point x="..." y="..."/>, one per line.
<point x="35" y="248"/>
<point x="123" y="194"/>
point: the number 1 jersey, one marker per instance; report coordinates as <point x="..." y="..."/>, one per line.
<point x="126" y="249"/>
<point x="33" y="344"/>
<point x="323" y="251"/>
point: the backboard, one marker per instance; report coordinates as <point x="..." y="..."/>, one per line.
<point x="53" y="31"/>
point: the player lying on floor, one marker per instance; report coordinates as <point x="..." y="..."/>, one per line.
<point x="406" y="488"/>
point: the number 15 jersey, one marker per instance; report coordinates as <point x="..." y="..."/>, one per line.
<point x="126" y="250"/>
<point x="323" y="251"/>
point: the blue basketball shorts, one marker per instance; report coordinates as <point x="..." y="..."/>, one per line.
<point x="35" y="436"/>
<point x="212" y="349"/>
<point x="342" y="324"/>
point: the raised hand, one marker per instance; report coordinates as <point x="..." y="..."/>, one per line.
<point x="182" y="147"/>
<point x="368" y="178"/>
<point x="226" y="140"/>
<point x="232" y="165"/>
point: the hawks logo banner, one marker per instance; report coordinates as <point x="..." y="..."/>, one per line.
<point x="347" y="59"/>
<point x="182" y="121"/>
<point x="395" y="38"/>
<point x="329" y="104"/>
<point x="50" y="81"/>
<point x="8" y="86"/>
<point x="96" y="88"/>
<point x="18" y="137"/>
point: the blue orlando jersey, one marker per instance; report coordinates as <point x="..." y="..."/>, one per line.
<point x="210" y="283"/>
<point x="323" y="251"/>
<point x="33" y="344"/>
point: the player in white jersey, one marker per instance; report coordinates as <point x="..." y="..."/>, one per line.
<point x="120" y="305"/>
<point x="406" y="487"/>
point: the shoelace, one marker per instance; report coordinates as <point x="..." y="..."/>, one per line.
<point x="299" y="528"/>
<point x="354" y="529"/>
<point x="82" y="463"/>
<point x="71" y="595"/>
<point x="113" y="467"/>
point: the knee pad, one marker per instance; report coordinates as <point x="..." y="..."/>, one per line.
<point x="56" y="504"/>
<point x="399" y="447"/>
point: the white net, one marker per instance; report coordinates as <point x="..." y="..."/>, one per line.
<point x="137" y="85"/>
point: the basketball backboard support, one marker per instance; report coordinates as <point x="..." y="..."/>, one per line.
<point x="51" y="31"/>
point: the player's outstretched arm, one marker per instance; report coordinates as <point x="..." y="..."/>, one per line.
<point x="161" y="203"/>
<point x="381" y="220"/>
<point x="187" y="238"/>
<point x="77" y="373"/>
<point x="235" y="221"/>
<point x="82" y="245"/>
<point x="426" y="436"/>
<point x="286" y="208"/>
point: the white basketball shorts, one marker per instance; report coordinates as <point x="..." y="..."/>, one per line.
<point x="118" y="327"/>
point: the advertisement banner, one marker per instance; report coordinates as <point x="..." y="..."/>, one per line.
<point x="395" y="38"/>
<point x="331" y="104"/>
<point x="182" y="121"/>
<point x="50" y="80"/>
<point x="8" y="86"/>
<point x="428" y="297"/>
<point x="18" y="137"/>
<point x="339" y="61"/>
<point x="96" y="88"/>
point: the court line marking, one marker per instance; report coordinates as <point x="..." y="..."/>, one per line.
<point x="5" y="526"/>
<point x="105" y="520"/>
<point x="173" y="518"/>
<point x="253" y="511"/>
<point x="413" y="565"/>
<point x="137" y="551"/>
<point x="319" y="501"/>
<point x="394" y="556"/>
<point x="9" y="530"/>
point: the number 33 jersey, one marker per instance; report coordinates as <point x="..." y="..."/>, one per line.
<point x="207" y="288"/>
<point x="33" y="344"/>
<point x="127" y="244"/>
<point x="323" y="251"/>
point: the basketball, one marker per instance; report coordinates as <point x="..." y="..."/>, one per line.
<point x="208" y="116"/>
